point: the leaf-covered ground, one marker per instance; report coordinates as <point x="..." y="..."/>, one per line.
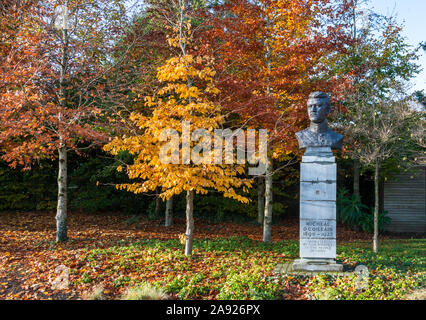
<point x="229" y="260"/>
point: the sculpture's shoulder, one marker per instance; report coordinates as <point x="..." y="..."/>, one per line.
<point x="334" y="135"/>
<point x="299" y="139"/>
<point x="303" y="138"/>
<point x="330" y="138"/>
<point x="335" y="139"/>
<point x="299" y="135"/>
<point x="304" y="133"/>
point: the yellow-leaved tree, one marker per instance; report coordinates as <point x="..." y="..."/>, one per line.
<point x="173" y="146"/>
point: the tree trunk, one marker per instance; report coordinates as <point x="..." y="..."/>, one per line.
<point x="376" y="208"/>
<point x="189" y="222"/>
<point x="61" y="211"/>
<point x="267" y="218"/>
<point x="157" y="204"/>
<point x="356" y="177"/>
<point x="169" y="212"/>
<point x="260" y="199"/>
<point x="267" y="222"/>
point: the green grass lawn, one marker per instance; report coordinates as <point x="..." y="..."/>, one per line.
<point x="239" y="268"/>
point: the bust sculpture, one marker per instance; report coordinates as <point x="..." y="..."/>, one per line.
<point x="319" y="134"/>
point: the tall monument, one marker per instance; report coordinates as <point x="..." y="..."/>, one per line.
<point x="318" y="177"/>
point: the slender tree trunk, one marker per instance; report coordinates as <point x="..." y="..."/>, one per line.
<point x="267" y="222"/>
<point x="189" y="222"/>
<point x="157" y="204"/>
<point x="169" y="212"/>
<point x="356" y="177"/>
<point x="267" y="218"/>
<point x="61" y="211"/>
<point x="376" y="207"/>
<point x="260" y="199"/>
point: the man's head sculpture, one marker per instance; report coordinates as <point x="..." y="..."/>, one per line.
<point x="319" y="107"/>
<point x="319" y="134"/>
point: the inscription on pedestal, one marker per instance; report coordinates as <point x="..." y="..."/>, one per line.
<point x="318" y="207"/>
<point x="318" y="229"/>
<point x="318" y="248"/>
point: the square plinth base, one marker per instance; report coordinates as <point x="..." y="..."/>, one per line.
<point x="317" y="265"/>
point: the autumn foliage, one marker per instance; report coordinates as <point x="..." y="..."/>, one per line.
<point x="270" y="56"/>
<point x="231" y="65"/>
<point x="149" y="89"/>
<point x="34" y="118"/>
<point x="182" y="103"/>
<point x="55" y="87"/>
<point x="187" y="99"/>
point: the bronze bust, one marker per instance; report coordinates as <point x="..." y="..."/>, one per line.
<point x="319" y="134"/>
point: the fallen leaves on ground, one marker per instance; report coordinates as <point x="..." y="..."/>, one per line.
<point x="103" y="249"/>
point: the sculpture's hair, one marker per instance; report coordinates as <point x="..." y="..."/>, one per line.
<point x="320" y="95"/>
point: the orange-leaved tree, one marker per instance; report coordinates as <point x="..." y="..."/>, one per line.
<point x="185" y="103"/>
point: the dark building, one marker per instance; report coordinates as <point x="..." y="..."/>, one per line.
<point x="404" y="200"/>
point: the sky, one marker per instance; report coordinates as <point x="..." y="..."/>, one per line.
<point x="412" y="14"/>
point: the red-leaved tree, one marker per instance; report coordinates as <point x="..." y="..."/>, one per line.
<point x="269" y="56"/>
<point x="53" y="73"/>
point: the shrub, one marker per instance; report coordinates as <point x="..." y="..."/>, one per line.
<point x="382" y="284"/>
<point x="144" y="291"/>
<point x="367" y="221"/>
<point x="34" y="189"/>
<point x="354" y="214"/>
<point x="91" y="189"/>
<point x="249" y="284"/>
<point x="96" y="294"/>
<point x="194" y="287"/>
<point x="176" y="285"/>
<point x="349" y="209"/>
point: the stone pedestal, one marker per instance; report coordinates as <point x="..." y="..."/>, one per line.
<point x="318" y="177"/>
<point x="317" y="265"/>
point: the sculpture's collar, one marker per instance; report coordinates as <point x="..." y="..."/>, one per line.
<point x="319" y="127"/>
